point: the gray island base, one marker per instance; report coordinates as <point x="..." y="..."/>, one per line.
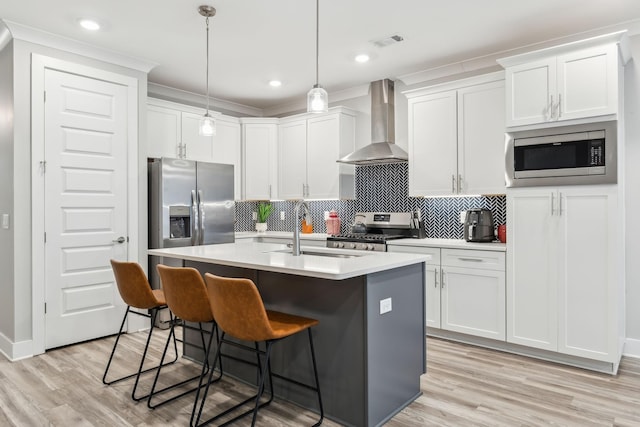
<point x="369" y="363"/>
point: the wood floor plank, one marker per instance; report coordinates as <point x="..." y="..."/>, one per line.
<point x="464" y="386"/>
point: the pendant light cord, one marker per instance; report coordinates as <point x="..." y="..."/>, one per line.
<point x="317" y="40"/>
<point x="207" y="79"/>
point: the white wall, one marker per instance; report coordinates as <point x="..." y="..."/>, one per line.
<point x="632" y="196"/>
<point x="6" y="192"/>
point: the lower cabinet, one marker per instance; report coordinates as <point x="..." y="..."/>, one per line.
<point x="464" y="290"/>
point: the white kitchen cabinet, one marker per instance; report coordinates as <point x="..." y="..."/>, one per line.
<point x="260" y="158"/>
<point x="563" y="290"/>
<point x="561" y="86"/>
<point x="309" y="146"/>
<point x="464" y="290"/>
<point x="173" y="131"/>
<point x="456" y="138"/>
<point x="227" y="148"/>
<point x="473" y="292"/>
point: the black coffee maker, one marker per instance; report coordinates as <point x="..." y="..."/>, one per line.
<point x="478" y="226"/>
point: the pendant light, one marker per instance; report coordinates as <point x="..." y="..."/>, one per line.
<point x="207" y="123"/>
<point x="317" y="98"/>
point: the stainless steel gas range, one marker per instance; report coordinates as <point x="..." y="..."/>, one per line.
<point x="372" y="230"/>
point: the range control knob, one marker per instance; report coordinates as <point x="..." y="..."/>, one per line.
<point x="370" y="247"/>
<point x="351" y="245"/>
<point x="340" y="245"/>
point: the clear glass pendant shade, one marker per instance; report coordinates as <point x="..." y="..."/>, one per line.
<point x="317" y="100"/>
<point x="207" y="125"/>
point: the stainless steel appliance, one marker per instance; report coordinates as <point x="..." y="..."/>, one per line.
<point x="566" y="155"/>
<point x="478" y="226"/>
<point x="378" y="228"/>
<point x="190" y="203"/>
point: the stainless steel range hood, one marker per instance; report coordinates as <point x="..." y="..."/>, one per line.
<point x="382" y="148"/>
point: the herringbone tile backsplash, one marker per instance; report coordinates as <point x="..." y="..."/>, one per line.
<point x="381" y="188"/>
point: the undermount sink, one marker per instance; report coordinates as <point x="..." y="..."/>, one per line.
<point x="320" y="253"/>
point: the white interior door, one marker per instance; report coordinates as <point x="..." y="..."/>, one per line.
<point x="86" y="205"/>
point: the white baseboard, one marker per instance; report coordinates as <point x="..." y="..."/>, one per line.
<point x="15" y="350"/>
<point x="631" y="348"/>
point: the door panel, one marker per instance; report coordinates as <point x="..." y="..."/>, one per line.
<point x="86" y="206"/>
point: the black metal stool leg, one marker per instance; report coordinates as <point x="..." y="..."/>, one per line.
<point x="263" y="374"/>
<point x="315" y="374"/>
<point x="113" y="351"/>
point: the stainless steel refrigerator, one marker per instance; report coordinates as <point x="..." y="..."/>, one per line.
<point x="190" y="203"/>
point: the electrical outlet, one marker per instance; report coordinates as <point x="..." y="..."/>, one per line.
<point x="282" y="215"/>
<point x="254" y="215"/>
<point x="326" y="215"/>
<point x="463" y="216"/>
<point x="5" y="221"/>
<point x="385" y="305"/>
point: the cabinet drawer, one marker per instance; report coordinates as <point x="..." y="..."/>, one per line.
<point x="434" y="252"/>
<point x="484" y="260"/>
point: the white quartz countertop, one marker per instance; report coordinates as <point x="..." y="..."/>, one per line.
<point x="449" y="244"/>
<point x="278" y="258"/>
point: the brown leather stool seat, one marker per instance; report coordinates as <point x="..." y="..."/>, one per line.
<point x="188" y="300"/>
<point x="239" y="312"/>
<point x="136" y="292"/>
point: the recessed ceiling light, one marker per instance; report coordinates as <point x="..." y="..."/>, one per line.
<point x="275" y="83"/>
<point x="89" y="24"/>
<point x="362" y="58"/>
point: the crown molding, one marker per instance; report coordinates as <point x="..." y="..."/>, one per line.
<point x="34" y="35"/>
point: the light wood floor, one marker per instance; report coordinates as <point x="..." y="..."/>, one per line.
<point x="464" y="386"/>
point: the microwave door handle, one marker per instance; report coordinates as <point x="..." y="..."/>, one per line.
<point x="195" y="226"/>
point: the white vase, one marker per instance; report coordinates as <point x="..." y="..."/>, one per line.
<point x="261" y="227"/>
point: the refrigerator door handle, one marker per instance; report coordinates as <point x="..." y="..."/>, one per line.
<point x="201" y="215"/>
<point x="195" y="223"/>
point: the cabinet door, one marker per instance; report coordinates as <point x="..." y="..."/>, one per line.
<point x="323" y="146"/>
<point x="587" y="272"/>
<point x="481" y="139"/>
<point x="473" y="301"/>
<point x="433" y="144"/>
<point x="292" y="159"/>
<point x="588" y="82"/>
<point x="531" y="90"/>
<point x="432" y="296"/>
<point x="163" y="132"/>
<point x="196" y="147"/>
<point x="227" y="149"/>
<point x="260" y="160"/>
<point x="532" y="307"/>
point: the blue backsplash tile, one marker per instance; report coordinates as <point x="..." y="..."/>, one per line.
<point x="381" y="188"/>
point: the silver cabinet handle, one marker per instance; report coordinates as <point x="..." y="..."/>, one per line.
<point x="559" y="204"/>
<point x="269" y="191"/>
<point x="444" y="274"/>
<point x="559" y="105"/>
<point x="120" y="240"/>
<point x="459" y="183"/>
<point x="436" y="278"/>
<point x="552" y="204"/>
<point x="470" y="259"/>
<point x="453" y="184"/>
<point x="551" y="109"/>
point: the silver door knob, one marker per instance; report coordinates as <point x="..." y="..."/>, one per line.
<point x="119" y="240"/>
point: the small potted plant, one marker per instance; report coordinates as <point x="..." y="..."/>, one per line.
<point x="264" y="211"/>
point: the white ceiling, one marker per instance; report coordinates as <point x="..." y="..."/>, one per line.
<point x="254" y="41"/>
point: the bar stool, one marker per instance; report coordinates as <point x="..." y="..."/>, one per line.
<point x="188" y="300"/>
<point x="136" y="292"/>
<point x="239" y="311"/>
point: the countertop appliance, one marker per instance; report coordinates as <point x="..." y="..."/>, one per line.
<point x="478" y="226"/>
<point x="378" y="228"/>
<point x="565" y="155"/>
<point x="190" y="203"/>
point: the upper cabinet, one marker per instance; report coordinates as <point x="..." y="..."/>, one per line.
<point x="309" y="145"/>
<point x="574" y="81"/>
<point x="456" y="138"/>
<point x="260" y="158"/>
<point x="172" y="131"/>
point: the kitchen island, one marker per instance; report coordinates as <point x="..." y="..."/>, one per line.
<point x="370" y="343"/>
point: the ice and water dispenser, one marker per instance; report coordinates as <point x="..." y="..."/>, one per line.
<point x="179" y="222"/>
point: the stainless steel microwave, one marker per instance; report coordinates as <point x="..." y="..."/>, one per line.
<point x="566" y="155"/>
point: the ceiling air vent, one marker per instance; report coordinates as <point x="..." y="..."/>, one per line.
<point x="388" y="41"/>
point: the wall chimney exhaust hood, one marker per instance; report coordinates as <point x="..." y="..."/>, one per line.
<point x="382" y="149"/>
